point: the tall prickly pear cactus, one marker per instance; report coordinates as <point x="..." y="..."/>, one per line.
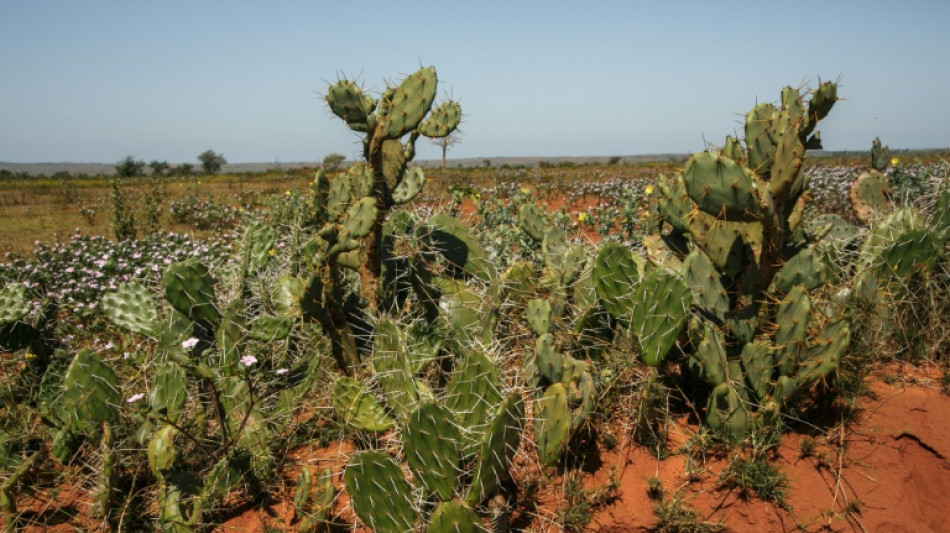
<point x="735" y="218"/>
<point x="352" y="208"/>
<point x="405" y="109"/>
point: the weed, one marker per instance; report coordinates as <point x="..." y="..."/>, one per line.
<point x="655" y="490"/>
<point x="755" y="477"/>
<point x="675" y="516"/>
<point x="581" y="503"/>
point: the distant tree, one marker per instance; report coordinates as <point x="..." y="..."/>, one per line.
<point x="159" y="168"/>
<point x="333" y="161"/>
<point x="486" y="162"/>
<point x="445" y="142"/>
<point x="211" y="162"/>
<point x="130" y="168"/>
<point x="185" y="169"/>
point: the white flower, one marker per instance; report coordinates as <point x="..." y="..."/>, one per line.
<point x="248" y="360"/>
<point x="189" y="344"/>
<point x="281" y="371"/>
<point x="135" y="397"/>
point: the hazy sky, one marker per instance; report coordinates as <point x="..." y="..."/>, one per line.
<point x="95" y="81"/>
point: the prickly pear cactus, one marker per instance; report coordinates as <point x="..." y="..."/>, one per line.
<point x="756" y="341"/>
<point x="379" y="493"/>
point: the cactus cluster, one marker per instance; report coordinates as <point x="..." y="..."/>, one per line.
<point x="564" y="385"/>
<point x="469" y="424"/>
<point x="353" y="227"/>
<point x="734" y="217"/>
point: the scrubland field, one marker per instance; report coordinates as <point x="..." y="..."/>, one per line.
<point x="748" y="340"/>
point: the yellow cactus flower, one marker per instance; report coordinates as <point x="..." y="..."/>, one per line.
<point x="287" y="193"/>
<point x="525" y="190"/>
<point x="648" y="189"/>
<point x="895" y="161"/>
<point x="29" y="355"/>
<point x="272" y="251"/>
<point x="581" y="217"/>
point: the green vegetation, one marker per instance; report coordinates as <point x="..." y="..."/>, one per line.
<point x="452" y="345"/>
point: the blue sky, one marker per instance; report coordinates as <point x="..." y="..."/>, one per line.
<point x="95" y="81"/>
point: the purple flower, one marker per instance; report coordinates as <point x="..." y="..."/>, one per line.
<point x="248" y="360"/>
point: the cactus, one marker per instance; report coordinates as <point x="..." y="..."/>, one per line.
<point x="552" y="424"/>
<point x="660" y="306"/>
<point x="189" y="288"/>
<point x="454" y="517"/>
<point x="871" y="196"/>
<point x="616" y="276"/>
<point x="358" y="407"/>
<point x="379" y="493"/>
<point x="531" y="220"/>
<point x="880" y="156"/>
<point x="431" y="444"/>
<point x="472" y="392"/>
<point x="497" y="449"/>
<point x="14" y="305"/>
<point x="731" y="215"/>
<point x="132" y="308"/>
<point x="401" y="110"/>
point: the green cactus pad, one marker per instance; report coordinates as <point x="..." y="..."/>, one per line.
<point x="379" y="493"/>
<point x="723" y="242"/>
<point x="441" y="121"/>
<point x="410" y="186"/>
<point x="791" y="321"/>
<point x="672" y="202"/>
<point x="13" y="304"/>
<point x="705" y="285"/>
<point x="169" y="392"/>
<point x="359" y="219"/>
<point x="914" y="251"/>
<point x="498" y="447"/>
<point x="708" y="360"/>
<point x="260" y="239"/>
<point x="348" y="102"/>
<point x="521" y="280"/>
<point x="357" y="407"/>
<point x="722" y="188"/>
<point x="616" y="276"/>
<point x="161" y="451"/>
<point x="431" y="446"/>
<point x="132" y="308"/>
<point x="552" y="424"/>
<point x="189" y="288"/>
<point x="757" y="362"/>
<point x="269" y="328"/>
<point x="455" y="517"/>
<point x="550" y="361"/>
<point x="824" y="351"/>
<point x="538" y="312"/>
<point x="392" y="368"/>
<point x="472" y="393"/>
<point x="660" y="307"/>
<point x="91" y="393"/>
<point x="786" y="177"/>
<point x="758" y="137"/>
<point x="531" y="219"/>
<point x="404" y="107"/>
<point x="726" y="414"/>
<point x="804" y="268"/>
